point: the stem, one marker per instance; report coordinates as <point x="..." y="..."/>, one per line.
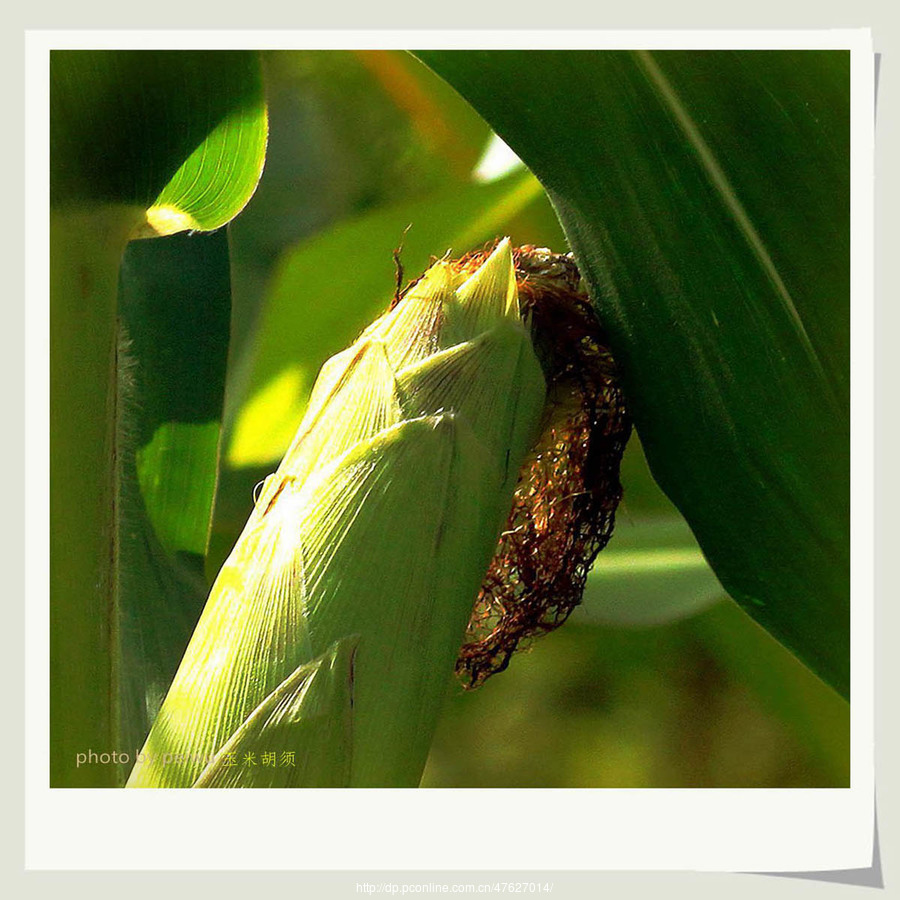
<point x="85" y="251"/>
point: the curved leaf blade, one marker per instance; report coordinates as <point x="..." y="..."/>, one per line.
<point x="181" y="135"/>
<point x="706" y="197"/>
<point x="123" y="125"/>
<point x="174" y="305"/>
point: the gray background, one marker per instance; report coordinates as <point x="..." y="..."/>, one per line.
<point x="881" y="17"/>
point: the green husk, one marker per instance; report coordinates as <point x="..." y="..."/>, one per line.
<point x="377" y="530"/>
<point x="313" y="710"/>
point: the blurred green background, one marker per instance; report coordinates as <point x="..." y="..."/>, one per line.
<point x="658" y="680"/>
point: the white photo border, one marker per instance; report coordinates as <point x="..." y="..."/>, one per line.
<point x="769" y="830"/>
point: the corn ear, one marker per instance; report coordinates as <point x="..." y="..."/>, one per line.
<point x="376" y="530"/>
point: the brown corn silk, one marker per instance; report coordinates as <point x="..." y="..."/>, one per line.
<point x="568" y="489"/>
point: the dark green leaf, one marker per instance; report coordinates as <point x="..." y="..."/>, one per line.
<point x="174" y="304"/>
<point x="706" y="197"/>
<point x="142" y="142"/>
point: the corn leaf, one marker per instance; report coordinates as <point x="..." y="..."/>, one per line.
<point x="170" y="399"/>
<point x="653" y="572"/>
<point x="142" y="143"/>
<point x="180" y="137"/>
<point x="272" y="380"/>
<point x="706" y="198"/>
